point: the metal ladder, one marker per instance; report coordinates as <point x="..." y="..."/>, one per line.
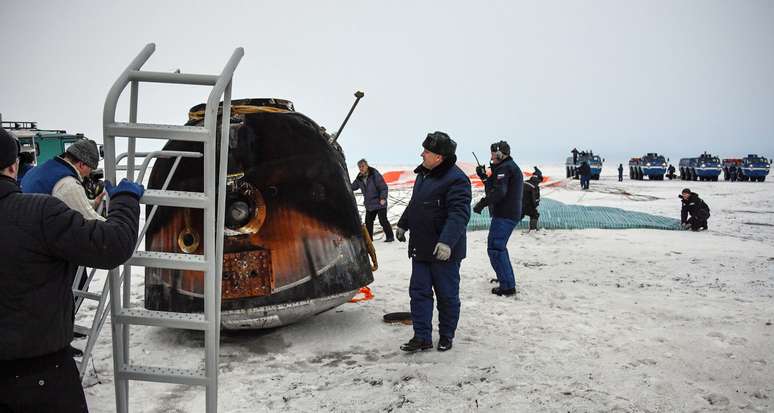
<point x="81" y="287"/>
<point x="212" y="203"/>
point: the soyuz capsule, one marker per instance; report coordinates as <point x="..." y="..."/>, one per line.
<point x="294" y="244"/>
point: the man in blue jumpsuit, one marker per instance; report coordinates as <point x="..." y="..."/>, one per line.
<point x="504" y="192"/>
<point x="436" y="219"/>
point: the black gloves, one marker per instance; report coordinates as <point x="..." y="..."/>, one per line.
<point x="481" y="172"/>
<point x="480" y="205"/>
<point x="400" y="234"/>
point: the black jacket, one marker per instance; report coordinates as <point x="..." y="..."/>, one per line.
<point x="42" y="243"/>
<point x="694" y="206"/>
<point x="374" y="189"/>
<point x="439" y="211"/>
<point x="585" y="169"/>
<point x="531" y="198"/>
<point x="504" y="189"/>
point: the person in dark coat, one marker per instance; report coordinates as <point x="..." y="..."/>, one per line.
<point x="671" y="172"/>
<point x="732" y="173"/>
<point x="536" y="172"/>
<point x="530" y="201"/>
<point x="620" y="172"/>
<point x="374" y="189"/>
<point x="436" y="219"/>
<point x="504" y="192"/>
<point x="694" y="212"/>
<point x="585" y="174"/>
<point x="42" y="243"/>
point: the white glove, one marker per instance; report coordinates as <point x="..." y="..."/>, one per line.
<point x="442" y="251"/>
<point x="400" y="234"/>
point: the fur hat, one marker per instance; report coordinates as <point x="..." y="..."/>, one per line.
<point x="440" y="143"/>
<point x="9" y="149"/>
<point x="86" y="151"/>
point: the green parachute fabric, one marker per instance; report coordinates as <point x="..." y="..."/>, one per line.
<point x="558" y="215"/>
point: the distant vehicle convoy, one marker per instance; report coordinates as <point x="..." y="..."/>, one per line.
<point x="573" y="163"/>
<point x="705" y="167"/>
<point x="652" y="165"/>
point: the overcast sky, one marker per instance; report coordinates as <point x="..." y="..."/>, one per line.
<point x="619" y="77"/>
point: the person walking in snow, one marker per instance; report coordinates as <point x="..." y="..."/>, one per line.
<point x="585" y="175"/>
<point x="374" y="189"/>
<point x="436" y="219"/>
<point x="620" y="172"/>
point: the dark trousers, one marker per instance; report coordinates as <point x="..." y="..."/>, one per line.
<point x="444" y="278"/>
<point x="696" y="223"/>
<point x="383" y="221"/>
<point x="48" y="383"/>
<point x="584" y="181"/>
<point x="534" y="215"/>
<point x="500" y="231"/>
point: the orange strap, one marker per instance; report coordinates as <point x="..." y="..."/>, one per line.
<point x="367" y="295"/>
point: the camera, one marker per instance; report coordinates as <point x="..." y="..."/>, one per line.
<point x="94" y="184"/>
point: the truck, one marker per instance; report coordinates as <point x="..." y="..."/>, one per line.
<point x="652" y="165"/>
<point x="574" y="162"/>
<point x="754" y="168"/>
<point x="705" y="167"/>
<point x="44" y="144"/>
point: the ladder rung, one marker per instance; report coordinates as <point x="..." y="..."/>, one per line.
<point x="175" y="198"/>
<point x="165" y="77"/>
<point x="189" y="321"/>
<point x="150" y="130"/>
<point x="81" y="329"/>
<point x="87" y="294"/>
<point x="168" y="260"/>
<point x="162" y="375"/>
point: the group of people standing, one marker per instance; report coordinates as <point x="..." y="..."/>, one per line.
<point x="436" y="220"/>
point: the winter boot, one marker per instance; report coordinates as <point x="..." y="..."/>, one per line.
<point x="416" y="344"/>
<point x="445" y="343"/>
<point x="533" y="224"/>
<point x="503" y="291"/>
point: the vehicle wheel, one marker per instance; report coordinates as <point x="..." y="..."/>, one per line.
<point x="762" y="179"/>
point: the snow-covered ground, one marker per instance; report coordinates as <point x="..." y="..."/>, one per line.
<point x="615" y="321"/>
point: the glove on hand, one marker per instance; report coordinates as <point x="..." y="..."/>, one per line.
<point x="125" y="187"/>
<point x="481" y="172"/>
<point x="400" y="234"/>
<point x="442" y="251"/>
<point x="480" y="205"/>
